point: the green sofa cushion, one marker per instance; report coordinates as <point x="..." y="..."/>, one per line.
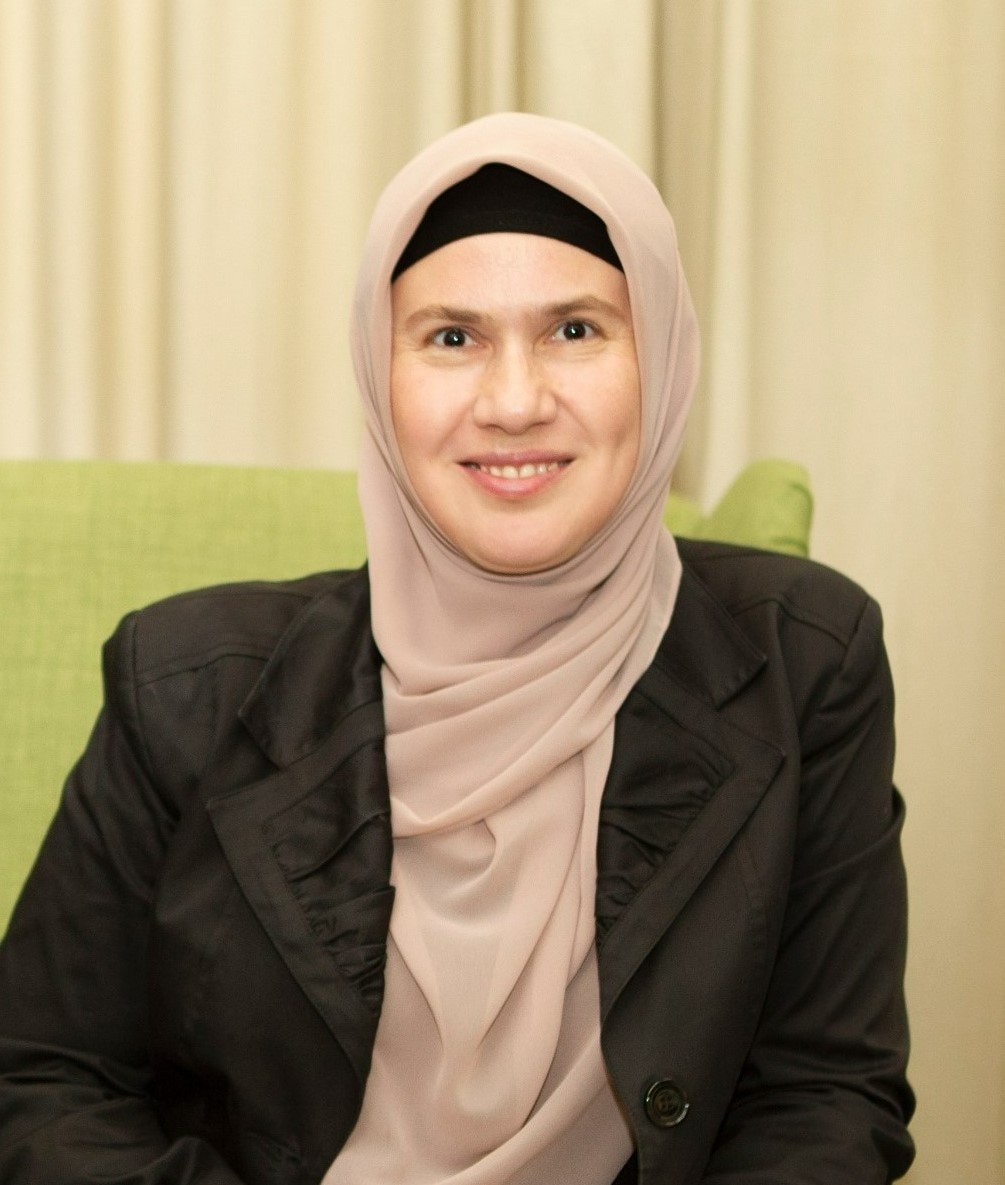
<point x="82" y="543"/>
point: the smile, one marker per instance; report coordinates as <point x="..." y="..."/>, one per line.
<point x="517" y="471"/>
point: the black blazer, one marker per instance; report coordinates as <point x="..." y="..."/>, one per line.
<point x="190" y="985"/>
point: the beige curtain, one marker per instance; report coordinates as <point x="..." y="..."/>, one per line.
<point x="184" y="186"/>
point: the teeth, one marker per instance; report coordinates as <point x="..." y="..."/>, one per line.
<point x="514" y="471"/>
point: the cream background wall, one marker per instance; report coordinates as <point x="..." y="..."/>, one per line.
<point x="184" y="188"/>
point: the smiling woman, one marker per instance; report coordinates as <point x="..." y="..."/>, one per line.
<point x="542" y="848"/>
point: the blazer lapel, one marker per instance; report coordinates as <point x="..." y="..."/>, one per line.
<point x="310" y="845"/>
<point x="683" y="782"/>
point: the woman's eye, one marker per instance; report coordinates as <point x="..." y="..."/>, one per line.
<point x="574" y="331"/>
<point x="452" y="337"/>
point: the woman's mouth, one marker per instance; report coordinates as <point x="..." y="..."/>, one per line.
<point x="528" y="469"/>
<point x="518" y="478"/>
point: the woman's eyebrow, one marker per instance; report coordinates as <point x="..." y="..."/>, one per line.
<point x="584" y="304"/>
<point x="447" y="313"/>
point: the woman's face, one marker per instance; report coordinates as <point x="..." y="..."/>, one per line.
<point x="515" y="395"/>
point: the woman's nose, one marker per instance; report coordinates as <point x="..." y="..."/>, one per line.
<point x="514" y="392"/>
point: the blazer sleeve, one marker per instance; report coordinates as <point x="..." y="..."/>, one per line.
<point x="74" y="1075"/>
<point x="823" y="1095"/>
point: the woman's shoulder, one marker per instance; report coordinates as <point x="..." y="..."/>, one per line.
<point x="746" y="581"/>
<point x="191" y="674"/>
<point x="247" y="618"/>
<point x="814" y="635"/>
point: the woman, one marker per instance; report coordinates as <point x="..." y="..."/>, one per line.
<point x="633" y="798"/>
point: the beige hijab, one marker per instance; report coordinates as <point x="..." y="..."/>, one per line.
<point x="500" y="694"/>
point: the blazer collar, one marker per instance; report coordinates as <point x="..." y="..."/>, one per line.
<point x="704" y="649"/>
<point x="324" y="668"/>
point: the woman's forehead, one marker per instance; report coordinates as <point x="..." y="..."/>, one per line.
<point x="487" y="271"/>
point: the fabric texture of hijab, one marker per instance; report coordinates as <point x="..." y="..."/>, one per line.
<point x="500" y="694"/>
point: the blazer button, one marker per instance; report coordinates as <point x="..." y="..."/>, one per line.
<point x="666" y="1103"/>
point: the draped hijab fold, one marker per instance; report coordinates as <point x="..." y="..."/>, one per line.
<point x="500" y="694"/>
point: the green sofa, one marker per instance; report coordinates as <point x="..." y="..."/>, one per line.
<point x="82" y="543"/>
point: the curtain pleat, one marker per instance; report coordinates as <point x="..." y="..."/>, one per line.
<point x="184" y="189"/>
<point x="21" y="138"/>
